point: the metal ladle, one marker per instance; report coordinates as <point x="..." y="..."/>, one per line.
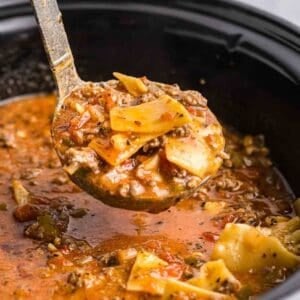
<point x="61" y="60"/>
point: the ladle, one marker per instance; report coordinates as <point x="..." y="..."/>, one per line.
<point x="61" y="60"/>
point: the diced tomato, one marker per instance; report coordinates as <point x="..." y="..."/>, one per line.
<point x="209" y="139"/>
<point x="167" y="256"/>
<point x="197" y="111"/>
<point x="192" y="110"/>
<point x="210" y="236"/>
<point x="173" y="270"/>
<point x="109" y="103"/>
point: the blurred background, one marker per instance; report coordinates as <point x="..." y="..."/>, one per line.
<point x="287" y="9"/>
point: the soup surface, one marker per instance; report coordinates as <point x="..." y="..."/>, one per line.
<point x="57" y="242"/>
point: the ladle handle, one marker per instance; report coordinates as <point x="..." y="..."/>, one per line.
<point x="57" y="46"/>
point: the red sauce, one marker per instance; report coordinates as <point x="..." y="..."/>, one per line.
<point x="249" y="186"/>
